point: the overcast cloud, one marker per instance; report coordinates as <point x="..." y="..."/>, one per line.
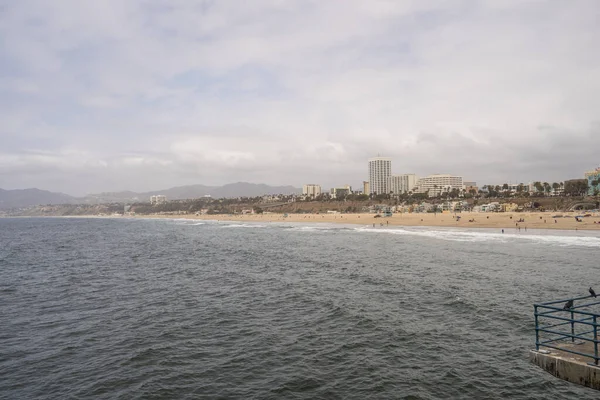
<point x="141" y="95"/>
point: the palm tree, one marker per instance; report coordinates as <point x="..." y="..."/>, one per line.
<point x="547" y="188"/>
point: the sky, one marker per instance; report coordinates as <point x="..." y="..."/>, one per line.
<point x="149" y="94"/>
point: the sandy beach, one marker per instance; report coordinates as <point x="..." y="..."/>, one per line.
<point x="533" y="220"/>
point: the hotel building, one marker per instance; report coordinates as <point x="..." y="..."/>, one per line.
<point x="311" y="190"/>
<point x="403" y="183"/>
<point x="380" y="170"/>
<point x="439" y="183"/>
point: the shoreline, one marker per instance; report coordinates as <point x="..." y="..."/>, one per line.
<point x="503" y="221"/>
<point x="506" y="221"/>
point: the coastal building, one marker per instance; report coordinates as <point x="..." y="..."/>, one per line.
<point x="593" y="178"/>
<point x="470" y="187"/>
<point x="380" y="170"/>
<point x="439" y="183"/>
<point x="311" y="190"/>
<point x="402" y="183"/>
<point x="158" y="199"/>
<point x="340" y="192"/>
<point x="366" y="188"/>
<point x="271" y="198"/>
<point x="514" y="188"/>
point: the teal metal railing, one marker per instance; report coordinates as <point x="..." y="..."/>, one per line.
<point x="580" y="318"/>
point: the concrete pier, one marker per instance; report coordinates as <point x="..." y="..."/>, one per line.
<point x="570" y="367"/>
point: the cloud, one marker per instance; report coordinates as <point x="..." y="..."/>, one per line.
<point x="285" y="92"/>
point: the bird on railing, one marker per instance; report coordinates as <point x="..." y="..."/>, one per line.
<point x="568" y="305"/>
<point x="592" y="293"/>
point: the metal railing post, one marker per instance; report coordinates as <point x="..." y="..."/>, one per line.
<point x="537" y="332"/>
<point x="572" y="327"/>
<point x="595" y="342"/>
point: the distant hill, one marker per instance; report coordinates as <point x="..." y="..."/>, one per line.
<point x="239" y="189"/>
<point x="31" y="197"/>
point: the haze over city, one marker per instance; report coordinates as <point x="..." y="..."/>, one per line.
<point x="112" y="95"/>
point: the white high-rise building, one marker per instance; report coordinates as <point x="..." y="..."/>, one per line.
<point x="380" y="170"/>
<point x="403" y="183"/>
<point x="311" y="190"/>
<point x="439" y="183"/>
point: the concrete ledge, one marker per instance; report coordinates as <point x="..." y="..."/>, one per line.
<point x="567" y="368"/>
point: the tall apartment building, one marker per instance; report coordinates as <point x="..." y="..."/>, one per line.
<point x="439" y="183"/>
<point x="402" y="183"/>
<point x="380" y="170"/>
<point x="366" y="187"/>
<point x="311" y="190"/>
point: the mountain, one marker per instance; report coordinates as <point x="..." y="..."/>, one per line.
<point x="239" y="189"/>
<point x="31" y="197"/>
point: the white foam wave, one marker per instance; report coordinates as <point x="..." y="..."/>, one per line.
<point x="312" y="228"/>
<point x="482" y="236"/>
<point x="243" y="226"/>
<point x="183" y="221"/>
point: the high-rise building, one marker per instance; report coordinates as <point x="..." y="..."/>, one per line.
<point x="311" y="190"/>
<point x="403" y="183"/>
<point x="439" y="183"/>
<point x="380" y="170"/>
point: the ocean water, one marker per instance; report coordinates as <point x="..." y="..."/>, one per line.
<point x="165" y="309"/>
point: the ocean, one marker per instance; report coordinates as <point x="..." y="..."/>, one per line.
<point x="187" y="309"/>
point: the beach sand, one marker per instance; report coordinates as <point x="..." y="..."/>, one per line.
<point x="506" y="221"/>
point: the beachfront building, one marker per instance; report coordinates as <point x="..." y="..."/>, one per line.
<point x="158" y="199"/>
<point x="366" y="188"/>
<point x="380" y="170"/>
<point x="311" y="190"/>
<point x="439" y="183"/>
<point x="402" y="183"/>
<point x="593" y="177"/>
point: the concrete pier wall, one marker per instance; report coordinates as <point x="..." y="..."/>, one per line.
<point x="567" y="368"/>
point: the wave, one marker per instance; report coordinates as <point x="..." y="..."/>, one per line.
<point x="317" y="228"/>
<point x="243" y="226"/>
<point x="479" y="236"/>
